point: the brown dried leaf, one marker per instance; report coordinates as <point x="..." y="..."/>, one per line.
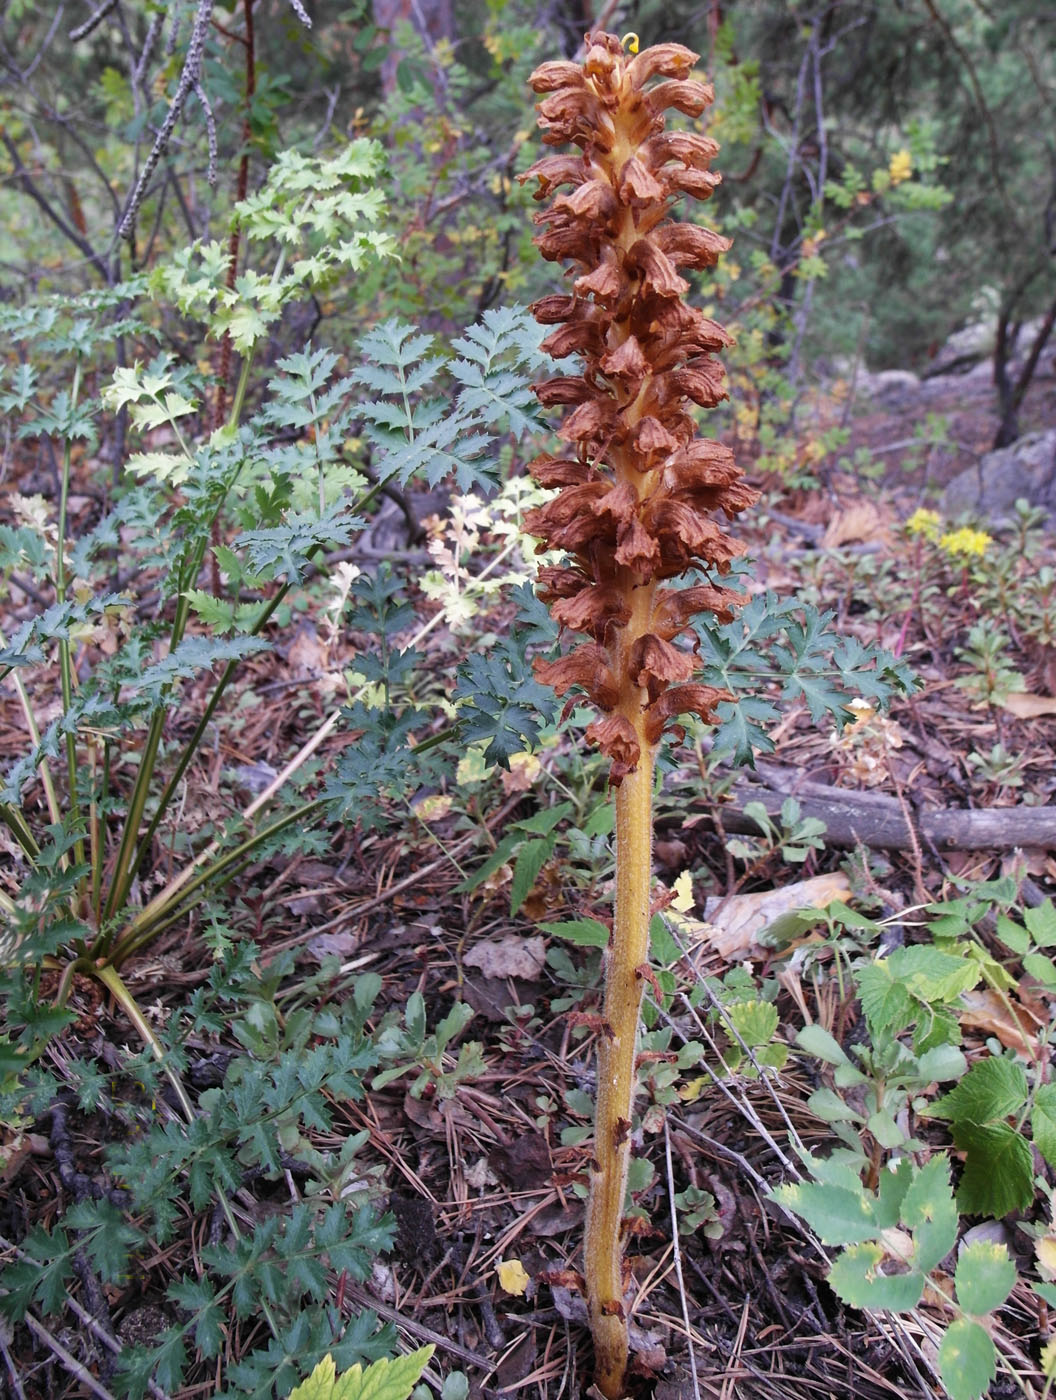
<point x="1025" y="705"/>
<point x="509" y="956"/>
<point x="734" y="931"/>
<point x="860" y="522"/>
<point x="525" y="1163"/>
<point x="15" y="1151"/>
<point x="986" y="1011"/>
<point x="307" y="654"/>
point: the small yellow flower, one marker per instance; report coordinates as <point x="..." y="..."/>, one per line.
<point x="900" y="167"/>
<point x="965" y="543"/>
<point x="925" y="522"/>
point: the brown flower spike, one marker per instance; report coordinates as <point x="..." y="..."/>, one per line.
<point x="638" y="496"/>
<point x="638" y="488"/>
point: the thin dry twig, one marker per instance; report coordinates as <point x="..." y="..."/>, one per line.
<point x="677" y="1258"/>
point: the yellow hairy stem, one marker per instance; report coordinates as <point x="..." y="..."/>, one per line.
<point x="627" y="952"/>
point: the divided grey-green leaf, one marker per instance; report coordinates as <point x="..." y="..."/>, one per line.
<point x="835" y="1214"/>
<point x="929" y="1211"/>
<point x="856" y="1278"/>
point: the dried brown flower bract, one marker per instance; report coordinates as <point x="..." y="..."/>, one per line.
<point x="682" y="700"/>
<point x="616" y="738"/>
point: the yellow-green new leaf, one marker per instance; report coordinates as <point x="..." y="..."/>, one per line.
<point x="382" y="1380"/>
<point x="172" y="467"/>
<point x="243" y="323"/>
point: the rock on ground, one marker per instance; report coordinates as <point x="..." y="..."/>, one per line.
<point x="1026" y="468"/>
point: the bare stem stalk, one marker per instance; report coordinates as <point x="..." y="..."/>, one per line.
<point x="627" y="953"/>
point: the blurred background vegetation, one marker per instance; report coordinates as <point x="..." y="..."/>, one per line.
<point x="890" y="168"/>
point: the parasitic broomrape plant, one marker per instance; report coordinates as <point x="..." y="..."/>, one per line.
<point x="638" y="492"/>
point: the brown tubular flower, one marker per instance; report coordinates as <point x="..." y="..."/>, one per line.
<point x="640" y="499"/>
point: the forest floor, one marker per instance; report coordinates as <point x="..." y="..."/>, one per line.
<point x="482" y="1176"/>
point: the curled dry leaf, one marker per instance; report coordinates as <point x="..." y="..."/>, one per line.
<point x="984" y="1010"/>
<point x="859" y="523"/>
<point x="736" y="924"/>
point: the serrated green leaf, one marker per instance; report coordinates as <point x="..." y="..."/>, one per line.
<point x="967" y="1360"/>
<point x="992" y="1089"/>
<point x="932" y="975"/>
<point x="1041" y="968"/>
<point x="601" y="821"/>
<point x="929" y="1211"/>
<point x="498" y="858"/>
<point x="588" y="933"/>
<point x="886" y="1002"/>
<point x="1043" y="1122"/>
<point x="836" y="1214"/>
<point x="985" y="1277"/>
<point x="850" y="918"/>
<point x="531" y="858"/>
<point x="663" y="950"/>
<point x="1012" y="935"/>
<point x="1041" y="922"/>
<point x="544" y="822"/>
<point x="382" y="1380"/>
<point x="640" y="1175"/>
<point x="856" y="1277"/>
<point x="754" y="1021"/>
<point x="998" y="1172"/>
<point x="774" y="1056"/>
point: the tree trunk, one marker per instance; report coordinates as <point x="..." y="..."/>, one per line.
<point x="1011" y="395"/>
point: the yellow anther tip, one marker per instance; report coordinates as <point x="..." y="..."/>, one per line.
<point x="630" y="42"/>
